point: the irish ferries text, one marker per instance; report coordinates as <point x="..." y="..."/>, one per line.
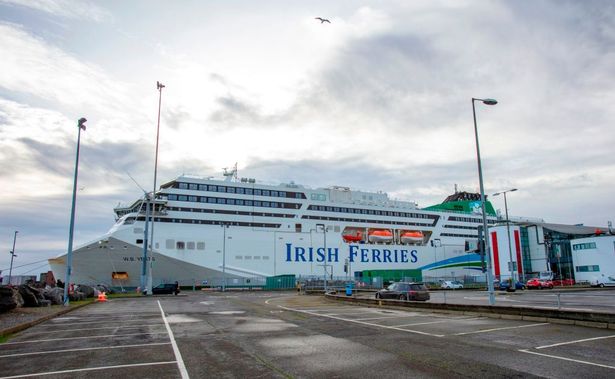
<point x="355" y="254"/>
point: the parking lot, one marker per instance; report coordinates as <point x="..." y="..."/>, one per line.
<point x="262" y="334"/>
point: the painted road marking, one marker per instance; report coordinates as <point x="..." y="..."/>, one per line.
<point x="83" y="349"/>
<point x="80" y="338"/>
<point x="102" y="322"/>
<point x="567" y="359"/>
<point x="437" y="322"/>
<point x="504" y="328"/>
<point x="362" y="322"/>
<point x="576" y="341"/>
<point x="87" y="369"/>
<point x="382" y="318"/>
<point x="178" y="355"/>
<point x="97" y="328"/>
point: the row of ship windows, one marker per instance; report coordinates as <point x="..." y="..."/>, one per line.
<point x="221" y="211"/>
<point x="249" y="257"/>
<point x="461" y="227"/>
<point x="388" y="222"/>
<point x="228" y="201"/>
<point x="370" y="212"/>
<point x="213" y="222"/>
<point x="470" y="219"/>
<point x="239" y="190"/>
<point x="459" y="235"/>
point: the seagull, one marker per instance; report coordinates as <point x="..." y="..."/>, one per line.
<point x="322" y="20"/>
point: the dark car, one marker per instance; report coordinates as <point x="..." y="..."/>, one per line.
<point x="404" y="291"/>
<point x="503" y="286"/>
<point x="166" y="288"/>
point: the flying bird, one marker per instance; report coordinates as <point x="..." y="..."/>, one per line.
<point x="322" y="20"/>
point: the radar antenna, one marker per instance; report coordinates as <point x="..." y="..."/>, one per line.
<point x="231" y="174"/>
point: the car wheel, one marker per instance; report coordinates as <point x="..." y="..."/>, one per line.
<point x="378" y="295"/>
<point x="601" y="285"/>
<point x="402" y="297"/>
<point x="522" y="287"/>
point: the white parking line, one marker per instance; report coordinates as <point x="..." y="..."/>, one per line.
<point x="382" y="318"/>
<point x="80" y="338"/>
<point x="362" y="322"/>
<point x="178" y="355"/>
<point x="505" y="328"/>
<point x="105" y="322"/>
<point x="83" y="349"/>
<point x="437" y="322"/>
<point x="567" y="359"/>
<point x="576" y="341"/>
<point x="102" y="327"/>
<point x="87" y="369"/>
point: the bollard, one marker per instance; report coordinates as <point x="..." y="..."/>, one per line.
<point x="559" y="304"/>
<point x="444" y="297"/>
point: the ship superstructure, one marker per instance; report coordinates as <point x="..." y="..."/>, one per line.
<point x="241" y="229"/>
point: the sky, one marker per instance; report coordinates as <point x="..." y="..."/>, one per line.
<point x="379" y="99"/>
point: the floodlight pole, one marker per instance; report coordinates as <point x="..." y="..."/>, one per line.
<point x="13" y="255"/>
<point x="159" y="87"/>
<point x="483" y="206"/>
<point x="69" y="254"/>
<point x="324" y="231"/>
<point x="513" y="282"/>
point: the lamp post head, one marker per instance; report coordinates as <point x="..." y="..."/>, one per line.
<point x="159" y="85"/>
<point x="512" y="190"/>
<point x="81" y="123"/>
<point x="490" y="101"/>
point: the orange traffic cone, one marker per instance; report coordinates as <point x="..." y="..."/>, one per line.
<point x="102" y="297"/>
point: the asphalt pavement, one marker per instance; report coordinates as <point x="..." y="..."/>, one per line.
<point x="272" y="334"/>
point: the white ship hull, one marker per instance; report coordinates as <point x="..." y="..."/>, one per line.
<point x="205" y="242"/>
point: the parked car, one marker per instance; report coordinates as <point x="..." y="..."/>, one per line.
<point x="451" y="284"/>
<point x="166" y="288"/>
<point x="404" y="291"/>
<point x="536" y="283"/>
<point x="504" y="286"/>
<point x="602" y="281"/>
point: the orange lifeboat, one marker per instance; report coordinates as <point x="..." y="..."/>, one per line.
<point x="411" y="237"/>
<point x="380" y="235"/>
<point x="352" y="236"/>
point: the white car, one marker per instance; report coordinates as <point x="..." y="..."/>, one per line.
<point x="603" y="281"/>
<point x="451" y="284"/>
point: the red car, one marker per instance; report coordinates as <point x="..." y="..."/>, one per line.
<point x="563" y="282"/>
<point x="536" y="283"/>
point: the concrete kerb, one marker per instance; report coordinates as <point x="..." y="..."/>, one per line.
<point x="581" y="318"/>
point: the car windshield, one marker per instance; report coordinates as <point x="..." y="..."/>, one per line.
<point x="456" y="282"/>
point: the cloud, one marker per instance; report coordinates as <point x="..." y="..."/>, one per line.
<point x="73" y="9"/>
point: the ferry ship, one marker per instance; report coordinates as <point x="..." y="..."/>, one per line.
<point x="238" y="231"/>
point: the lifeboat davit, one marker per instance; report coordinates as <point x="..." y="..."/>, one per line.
<point x="353" y="236"/>
<point x="380" y="235"/>
<point x="411" y="237"/>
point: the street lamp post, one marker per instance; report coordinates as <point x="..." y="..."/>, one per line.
<point x="13" y="255"/>
<point x="512" y="287"/>
<point x="482" y="201"/>
<point x="324" y="231"/>
<point x="224" y="227"/>
<point x="159" y="87"/>
<point x="69" y="254"/>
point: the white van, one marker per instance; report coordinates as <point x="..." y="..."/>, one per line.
<point x="603" y="281"/>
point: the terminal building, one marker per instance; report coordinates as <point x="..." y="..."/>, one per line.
<point x="550" y="251"/>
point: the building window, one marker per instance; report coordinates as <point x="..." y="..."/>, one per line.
<point x="181" y="245"/>
<point x="190" y="245"/>
<point x="200" y="245"/>
<point x="211" y="188"/>
<point x="230" y="189"/>
<point x="183" y="186"/>
<point x="240" y="190"/>
<point x="589" y="268"/>
<point x="584" y="246"/>
<point x="257" y="192"/>
<point x="182" y="198"/>
<point x="172" y="197"/>
<point x="193" y="186"/>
